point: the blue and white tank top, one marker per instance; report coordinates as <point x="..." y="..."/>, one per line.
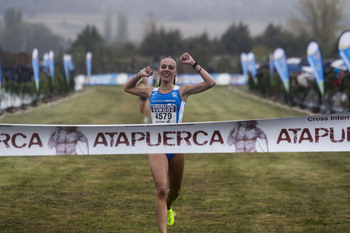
<point x="166" y="108"/>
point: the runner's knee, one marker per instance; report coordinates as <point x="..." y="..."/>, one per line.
<point x="162" y="192"/>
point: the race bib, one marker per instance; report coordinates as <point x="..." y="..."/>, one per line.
<point x="163" y="113"/>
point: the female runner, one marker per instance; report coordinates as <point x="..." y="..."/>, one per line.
<point x="167" y="103"/>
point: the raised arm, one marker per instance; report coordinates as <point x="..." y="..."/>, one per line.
<point x="131" y="87"/>
<point x="208" y="81"/>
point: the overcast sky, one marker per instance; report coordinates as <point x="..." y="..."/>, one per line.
<point x="192" y="17"/>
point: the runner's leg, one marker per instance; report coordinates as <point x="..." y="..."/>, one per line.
<point x="176" y="169"/>
<point x="159" y="168"/>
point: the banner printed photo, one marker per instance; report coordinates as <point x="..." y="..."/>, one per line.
<point x="329" y="132"/>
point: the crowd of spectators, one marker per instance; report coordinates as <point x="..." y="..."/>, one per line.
<point x="304" y="91"/>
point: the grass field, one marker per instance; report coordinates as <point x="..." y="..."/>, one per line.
<point x="242" y="192"/>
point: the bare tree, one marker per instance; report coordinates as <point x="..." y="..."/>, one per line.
<point x="108" y="28"/>
<point x="320" y="19"/>
<point x="122" y="29"/>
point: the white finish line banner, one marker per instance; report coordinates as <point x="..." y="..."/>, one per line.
<point x="330" y="132"/>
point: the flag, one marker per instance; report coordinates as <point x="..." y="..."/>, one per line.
<point x="52" y="64"/>
<point x="315" y="60"/>
<point x="35" y="64"/>
<point x="68" y="64"/>
<point x="271" y="66"/>
<point x="344" y="48"/>
<point x="88" y="63"/>
<point x="0" y="82"/>
<point x="251" y="66"/>
<point x="244" y="64"/>
<point x="46" y="62"/>
<point x="280" y="63"/>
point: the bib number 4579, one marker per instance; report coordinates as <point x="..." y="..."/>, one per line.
<point x="163" y="116"/>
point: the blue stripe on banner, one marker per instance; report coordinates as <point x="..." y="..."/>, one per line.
<point x="182" y="79"/>
<point x="329" y="132"/>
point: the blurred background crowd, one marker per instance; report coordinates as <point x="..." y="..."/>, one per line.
<point x="319" y="21"/>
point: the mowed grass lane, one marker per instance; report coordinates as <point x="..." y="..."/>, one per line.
<point x="243" y="192"/>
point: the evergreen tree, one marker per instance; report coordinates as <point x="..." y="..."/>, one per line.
<point x="158" y="42"/>
<point x="236" y="39"/>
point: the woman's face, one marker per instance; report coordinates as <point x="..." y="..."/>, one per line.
<point x="167" y="70"/>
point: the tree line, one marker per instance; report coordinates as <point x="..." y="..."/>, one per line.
<point x="318" y="20"/>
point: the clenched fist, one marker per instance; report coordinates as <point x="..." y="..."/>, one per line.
<point x="186" y="59"/>
<point x="146" y="72"/>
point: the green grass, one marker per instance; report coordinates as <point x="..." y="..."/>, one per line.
<point x="242" y="192"/>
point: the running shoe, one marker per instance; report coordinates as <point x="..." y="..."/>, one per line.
<point x="171" y="217"/>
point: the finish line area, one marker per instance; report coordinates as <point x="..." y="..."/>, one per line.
<point x="318" y="133"/>
<point x="229" y="191"/>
